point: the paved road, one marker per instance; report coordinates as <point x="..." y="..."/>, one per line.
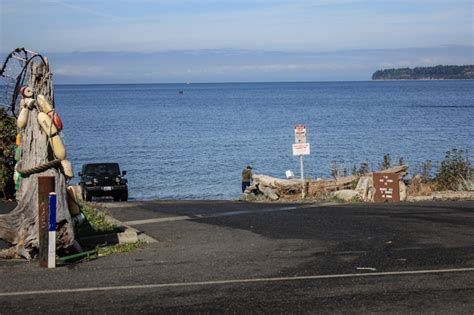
<point x="239" y="257"/>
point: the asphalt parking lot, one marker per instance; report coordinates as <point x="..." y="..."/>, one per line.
<point x="236" y="257"/>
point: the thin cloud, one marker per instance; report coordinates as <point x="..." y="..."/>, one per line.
<point x="84" y="9"/>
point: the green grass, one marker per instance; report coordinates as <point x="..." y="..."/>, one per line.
<point x="96" y="219"/>
<point x="120" y="248"/>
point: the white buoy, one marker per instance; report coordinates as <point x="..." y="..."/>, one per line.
<point x="26" y="91"/>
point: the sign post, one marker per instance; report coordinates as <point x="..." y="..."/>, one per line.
<point x="302" y="177"/>
<point x="301" y="147"/>
<point x="46" y="185"/>
<point x="52" y="231"/>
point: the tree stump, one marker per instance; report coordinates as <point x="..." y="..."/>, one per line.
<point x="20" y="227"/>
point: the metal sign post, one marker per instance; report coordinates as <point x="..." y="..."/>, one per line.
<point x="302" y="176"/>
<point x="52" y="231"/>
<point x="301" y="147"/>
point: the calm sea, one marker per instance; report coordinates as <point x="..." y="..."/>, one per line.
<point x="194" y="144"/>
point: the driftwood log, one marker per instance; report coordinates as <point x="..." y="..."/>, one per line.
<point x="316" y="189"/>
<point x="20" y="227"/>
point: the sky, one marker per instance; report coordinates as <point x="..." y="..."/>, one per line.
<point x="145" y="41"/>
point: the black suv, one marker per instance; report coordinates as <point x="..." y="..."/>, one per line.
<point x="103" y="179"/>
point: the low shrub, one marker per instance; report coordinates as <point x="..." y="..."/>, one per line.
<point x="454" y="173"/>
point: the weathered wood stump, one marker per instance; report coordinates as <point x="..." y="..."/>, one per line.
<point x="20" y="226"/>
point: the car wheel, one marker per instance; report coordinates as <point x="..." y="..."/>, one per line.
<point x="124" y="196"/>
<point x="87" y="195"/>
<point x="117" y="198"/>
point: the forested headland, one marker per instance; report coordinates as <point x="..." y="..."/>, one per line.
<point x="427" y="73"/>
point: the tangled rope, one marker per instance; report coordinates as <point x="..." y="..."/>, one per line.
<point x="39" y="168"/>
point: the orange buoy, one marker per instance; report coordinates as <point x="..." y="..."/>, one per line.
<point x="56" y="120"/>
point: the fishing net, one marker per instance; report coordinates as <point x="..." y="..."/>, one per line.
<point x="14" y="73"/>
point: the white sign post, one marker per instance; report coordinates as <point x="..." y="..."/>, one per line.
<point x="301" y="147"/>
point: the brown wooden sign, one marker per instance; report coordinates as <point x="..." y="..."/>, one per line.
<point x="45" y="186"/>
<point x="386" y="187"/>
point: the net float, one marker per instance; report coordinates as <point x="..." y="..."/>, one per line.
<point x="26" y="91"/>
<point x="17" y="153"/>
<point x="54" y="139"/>
<point x="46" y="124"/>
<point x="16" y="175"/>
<point x="18" y="139"/>
<point x="66" y="167"/>
<point x="22" y="119"/>
<point x="43" y="104"/>
<point x="29" y="102"/>
<point x="56" y="120"/>
<point x="72" y="203"/>
<point x="58" y="147"/>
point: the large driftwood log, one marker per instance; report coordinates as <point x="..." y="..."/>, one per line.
<point x="315" y="188"/>
<point x="20" y="226"/>
<point x="294" y="185"/>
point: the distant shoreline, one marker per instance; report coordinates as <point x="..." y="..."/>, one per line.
<point x="440" y="72"/>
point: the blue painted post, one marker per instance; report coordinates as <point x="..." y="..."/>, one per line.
<point x="52" y="231"/>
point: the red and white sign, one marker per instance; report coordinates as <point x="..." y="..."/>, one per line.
<point x="301" y="149"/>
<point x="300" y="134"/>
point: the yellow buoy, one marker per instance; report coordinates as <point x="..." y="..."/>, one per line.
<point x="67" y="169"/>
<point x="58" y="147"/>
<point x="22" y="119"/>
<point x="43" y="104"/>
<point x="18" y="140"/>
<point x="72" y="203"/>
<point x="54" y="139"/>
<point x="46" y="124"/>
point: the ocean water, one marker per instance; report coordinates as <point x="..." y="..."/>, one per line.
<point x="194" y="144"/>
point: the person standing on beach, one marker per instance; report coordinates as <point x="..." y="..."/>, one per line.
<point x="246" y="177"/>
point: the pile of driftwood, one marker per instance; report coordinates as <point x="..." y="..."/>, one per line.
<point x="345" y="188"/>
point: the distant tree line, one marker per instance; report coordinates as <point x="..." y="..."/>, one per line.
<point x="427" y="73"/>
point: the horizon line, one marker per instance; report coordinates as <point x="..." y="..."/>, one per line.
<point x="262" y="82"/>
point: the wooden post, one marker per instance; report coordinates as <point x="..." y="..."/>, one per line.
<point x="46" y="185"/>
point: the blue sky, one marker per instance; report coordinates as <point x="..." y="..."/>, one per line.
<point x="270" y="35"/>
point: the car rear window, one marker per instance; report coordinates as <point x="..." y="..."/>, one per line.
<point x="103" y="169"/>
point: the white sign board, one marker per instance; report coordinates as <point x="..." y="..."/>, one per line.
<point x="301" y="149"/>
<point x="300" y="134"/>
